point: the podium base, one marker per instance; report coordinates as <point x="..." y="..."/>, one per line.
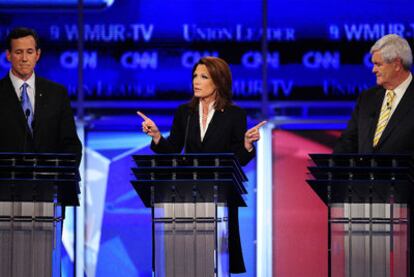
<point x="30" y="239"/>
<point x="191" y="239"/>
<point x="369" y="239"/>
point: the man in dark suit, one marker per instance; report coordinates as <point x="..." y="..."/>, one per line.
<point x="392" y="59"/>
<point x="35" y="113"/>
<point x="383" y="119"/>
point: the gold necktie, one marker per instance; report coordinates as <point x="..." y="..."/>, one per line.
<point x="384" y="116"/>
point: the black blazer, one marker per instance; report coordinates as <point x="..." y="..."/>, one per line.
<point x="398" y="136"/>
<point x="54" y="128"/>
<point x="225" y="134"/>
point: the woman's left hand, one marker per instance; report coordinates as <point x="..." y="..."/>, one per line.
<point x="252" y="135"/>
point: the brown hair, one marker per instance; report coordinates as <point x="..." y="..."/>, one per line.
<point x="21" y="32"/>
<point x="220" y="74"/>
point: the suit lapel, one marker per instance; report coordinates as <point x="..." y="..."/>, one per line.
<point x="406" y="104"/>
<point x="195" y="127"/>
<point x="39" y="97"/>
<point x="213" y="126"/>
<point x="376" y="110"/>
<point x="15" y="102"/>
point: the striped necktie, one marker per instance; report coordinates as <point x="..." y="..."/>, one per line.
<point x="27" y="107"/>
<point x="384" y="116"/>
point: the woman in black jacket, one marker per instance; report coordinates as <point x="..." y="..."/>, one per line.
<point x="210" y="123"/>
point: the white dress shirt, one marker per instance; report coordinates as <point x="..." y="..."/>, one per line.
<point x="399" y="93"/>
<point x="209" y="117"/>
<point x="17" y="84"/>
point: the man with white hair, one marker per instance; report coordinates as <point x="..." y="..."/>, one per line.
<point x="383" y="119"/>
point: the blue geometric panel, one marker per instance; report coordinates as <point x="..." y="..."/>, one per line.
<point x="115" y="261"/>
<point x="125" y="244"/>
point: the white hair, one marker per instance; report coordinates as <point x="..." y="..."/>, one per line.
<point x="392" y="47"/>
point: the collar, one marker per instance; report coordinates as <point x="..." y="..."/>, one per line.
<point x="17" y="82"/>
<point x="400" y="90"/>
<point x="210" y="107"/>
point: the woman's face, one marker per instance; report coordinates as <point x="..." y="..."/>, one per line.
<point x="203" y="85"/>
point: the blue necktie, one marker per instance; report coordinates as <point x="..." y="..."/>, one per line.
<point x="27" y="107"/>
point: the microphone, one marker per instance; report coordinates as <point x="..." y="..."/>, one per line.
<point x="186" y="132"/>
<point x="389" y="105"/>
<point x="26" y="114"/>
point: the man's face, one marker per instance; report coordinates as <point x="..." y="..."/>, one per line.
<point x="23" y="56"/>
<point x="387" y="73"/>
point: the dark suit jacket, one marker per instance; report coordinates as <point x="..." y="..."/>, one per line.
<point x="398" y="136"/>
<point x="54" y="128"/>
<point x="225" y="134"/>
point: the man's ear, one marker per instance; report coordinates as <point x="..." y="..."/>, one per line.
<point x="398" y="64"/>
<point x="38" y="52"/>
<point x="8" y="55"/>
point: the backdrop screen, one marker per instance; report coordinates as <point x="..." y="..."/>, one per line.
<point x="144" y="50"/>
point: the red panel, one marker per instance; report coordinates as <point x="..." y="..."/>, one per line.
<point x="300" y="227"/>
<point x="399" y="255"/>
<point x="338" y="243"/>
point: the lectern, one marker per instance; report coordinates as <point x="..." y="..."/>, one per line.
<point x="368" y="200"/>
<point x="189" y="196"/>
<point x="33" y="190"/>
